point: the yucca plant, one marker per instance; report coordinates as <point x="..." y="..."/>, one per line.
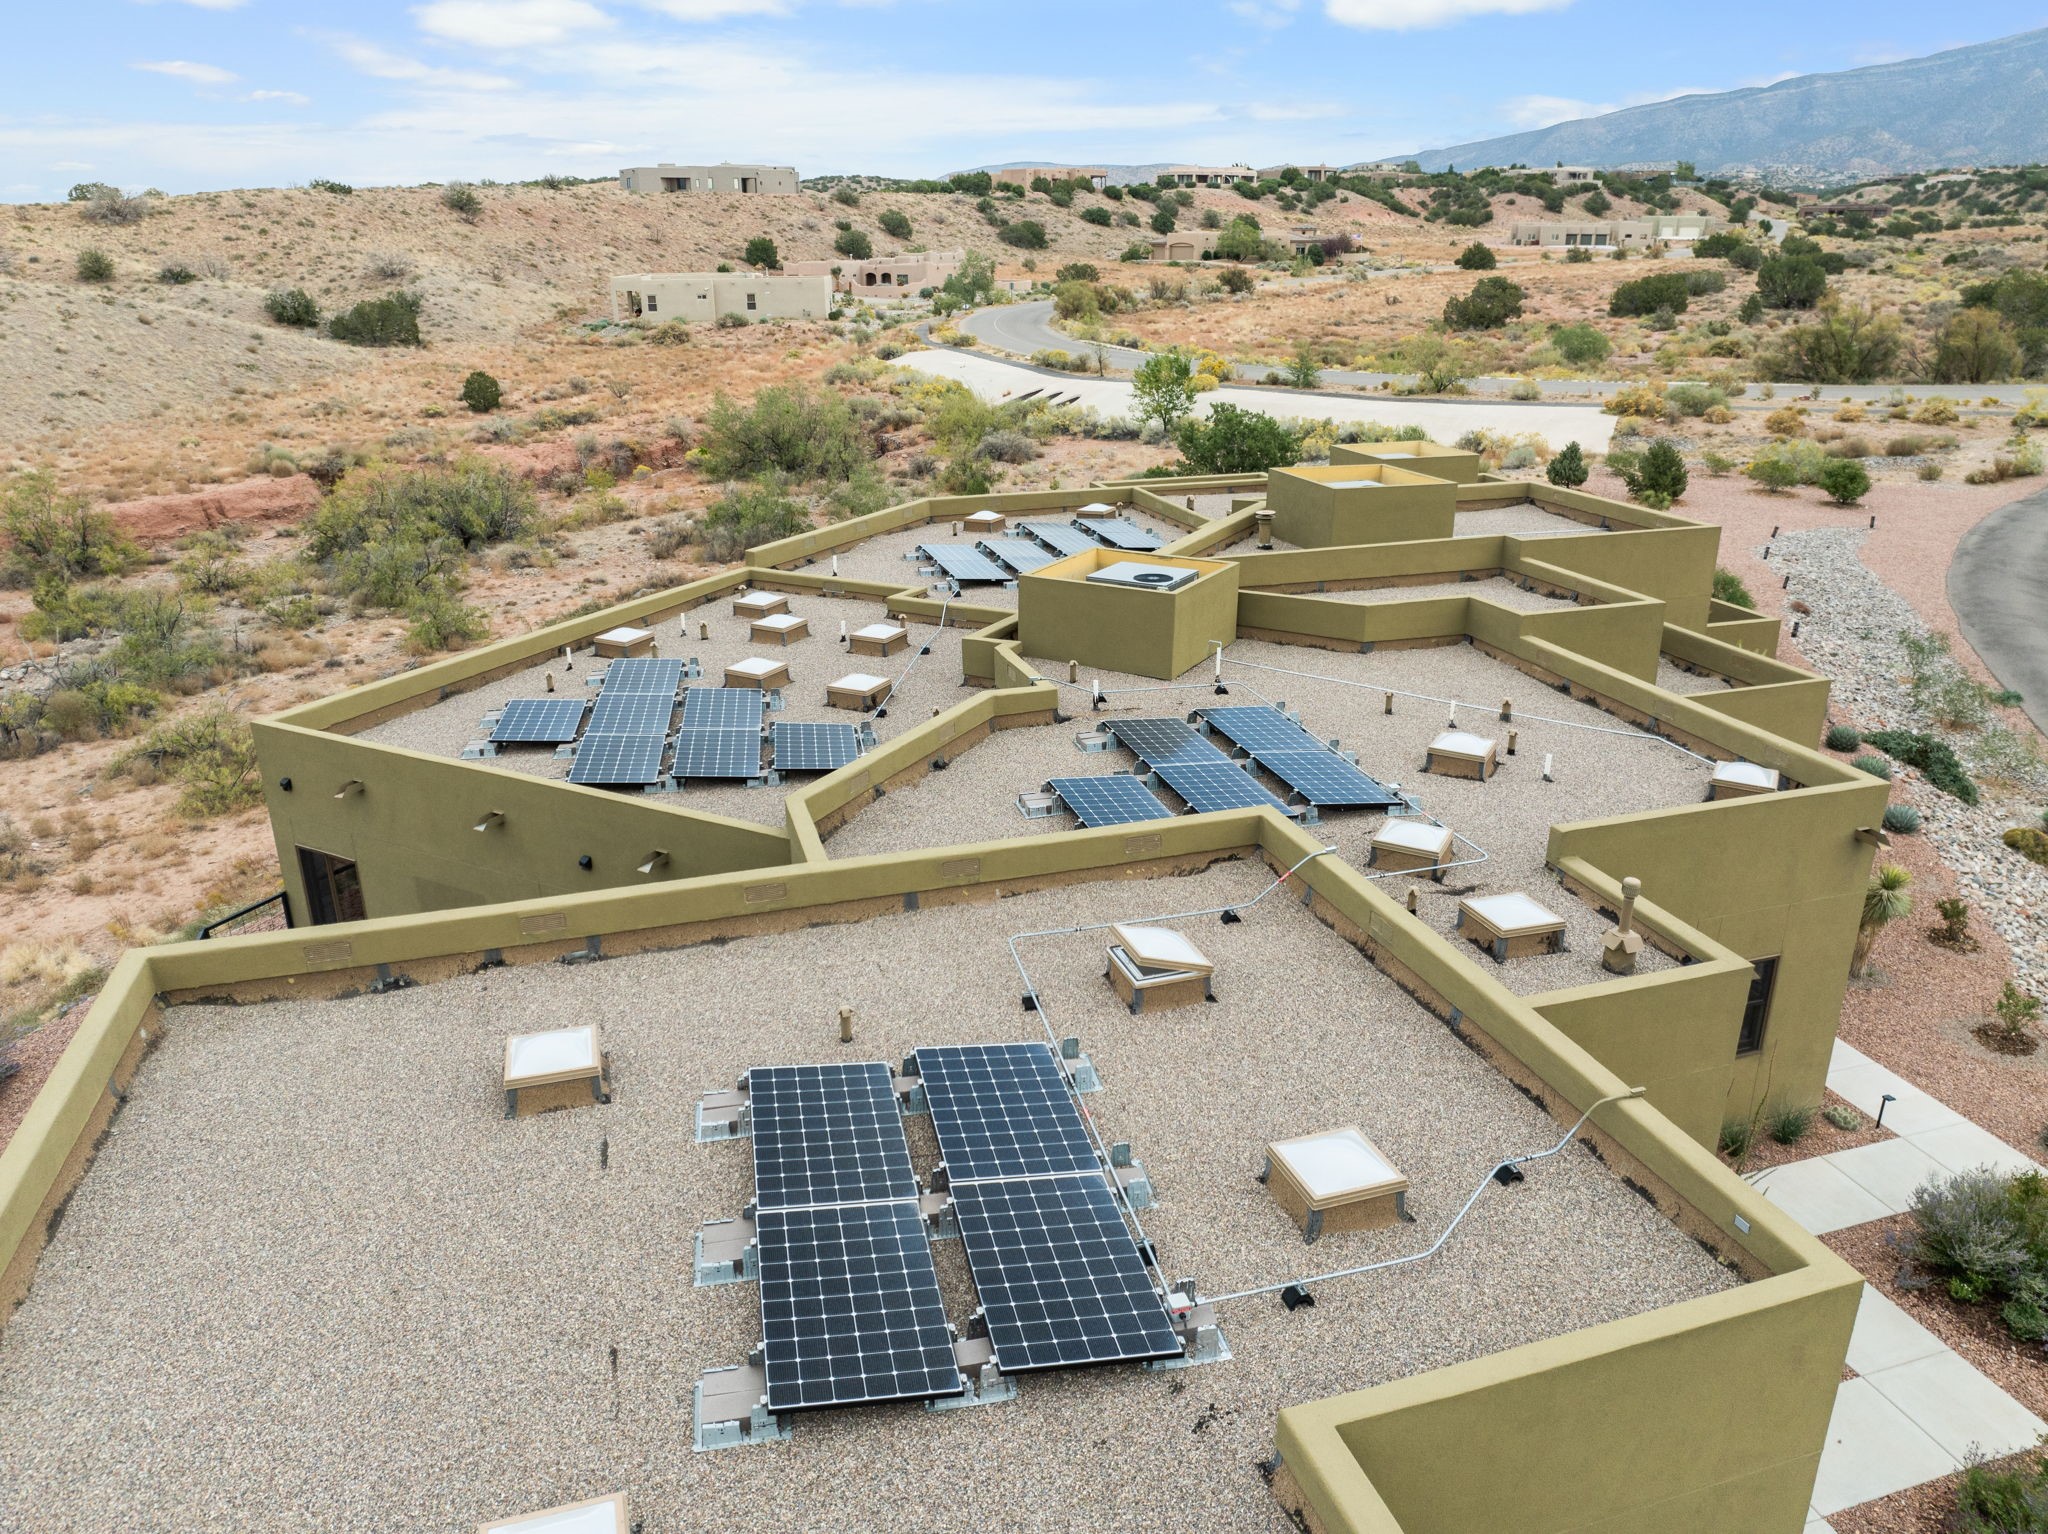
<point x="1884" y="901"/>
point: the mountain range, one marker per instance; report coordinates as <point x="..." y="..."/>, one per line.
<point x="1973" y="106"/>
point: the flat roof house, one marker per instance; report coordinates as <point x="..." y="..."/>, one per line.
<point x="884" y="276"/>
<point x="1023" y="175"/>
<point x="1209" y="175"/>
<point x="1608" y="234"/>
<point x="1176" y="247"/>
<point x="1280" y="820"/>
<point x="700" y="298"/>
<point x="1306" y="172"/>
<point x="726" y="177"/>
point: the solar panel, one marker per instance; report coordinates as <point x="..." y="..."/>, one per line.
<point x="1216" y="786"/>
<point x="1122" y="533"/>
<point x="1257" y="728"/>
<point x="827" y="1134"/>
<point x="1322" y="777"/>
<point x="1061" y="1281"/>
<point x="1020" y="554"/>
<point x="1003" y="1110"/>
<point x="538" y="721"/>
<point x="850" y="1307"/>
<point x="718" y="753"/>
<point x="723" y="708"/>
<point x="1059" y="537"/>
<point x="963" y="562"/>
<point x="1163" y="740"/>
<point x="1111" y="800"/>
<point x="615" y="759"/>
<point x="643" y="673"/>
<point x="631" y="713"/>
<point x="814" y="747"/>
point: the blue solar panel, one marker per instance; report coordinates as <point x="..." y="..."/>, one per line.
<point x="1112" y="800"/>
<point x="644" y="673"/>
<point x="1163" y="740"/>
<point x="611" y="760"/>
<point x="826" y="1134"/>
<point x="1209" y="786"/>
<point x="1003" y="1110"/>
<point x="963" y="562"/>
<point x="1061" y="538"/>
<point x="718" y="754"/>
<point x="1121" y="533"/>
<point x="814" y="747"/>
<point x="1020" y="554"/>
<point x="1257" y="728"/>
<point x="538" y="721"/>
<point x="723" y="708"/>
<point x="631" y="713"/>
<point x="1322" y="777"/>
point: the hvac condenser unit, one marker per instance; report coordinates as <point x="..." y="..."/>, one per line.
<point x="1138" y="576"/>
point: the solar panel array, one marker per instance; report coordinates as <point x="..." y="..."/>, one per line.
<point x="1322" y="777"/>
<point x="643" y="673"/>
<point x="538" y="721"/>
<point x="1061" y="538"/>
<point x="631" y="713"/>
<point x="814" y="747"/>
<point x="1258" y="728"/>
<point x="827" y="1134"/>
<point x="1113" y="799"/>
<point x="1020" y="554"/>
<point x="718" y="753"/>
<point x="1219" y="785"/>
<point x="963" y="562"/>
<point x="723" y="708"/>
<point x="1163" y="740"/>
<point x="1061" y="1280"/>
<point x="1122" y="533"/>
<point x="616" y="761"/>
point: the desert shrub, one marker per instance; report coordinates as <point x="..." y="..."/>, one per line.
<point x="1580" y="345"/>
<point x="175" y="274"/>
<point x="393" y="320"/>
<point x="1843" y="737"/>
<point x="846" y="196"/>
<point x="1028" y="234"/>
<point x="1791" y="282"/>
<point x="896" y="223"/>
<point x="1005" y="445"/>
<point x="669" y="333"/>
<point x="1728" y="587"/>
<point x="1568" y="469"/>
<point x="1492" y="302"/>
<point x="1786" y="421"/>
<point x="761" y="252"/>
<point x="747" y="516"/>
<point x="1975" y="346"/>
<point x="480" y="392"/>
<point x="1693" y="399"/>
<point x="1236" y="441"/>
<point x="1636" y="400"/>
<point x="1701" y="282"/>
<point x="1647" y="295"/>
<point x="388" y="266"/>
<point x="461" y="199"/>
<point x="1096" y="215"/>
<point x="1737" y="1136"/>
<point x="437" y="619"/>
<point x="2012" y="1500"/>
<point x="1986" y="1232"/>
<point x="1789" y="1123"/>
<point x="94" y="265"/>
<point x="1906" y="447"/>
<point x="1875" y="765"/>
<point x="2028" y="843"/>
<point x="1843" y="343"/>
<point x="785" y="430"/>
<point x="212" y="755"/>
<point x="1477" y="258"/>
<point x="1933" y="758"/>
<point x="1935" y="412"/>
<point x="1578" y="255"/>
<point x="854" y="244"/>
<point x="110" y="205"/>
<point x="336" y="188"/>
<point x="1902" y="819"/>
<point x="292" y="306"/>
<point x="1845" y="481"/>
<point x="1236" y="279"/>
<point x="1658" y="478"/>
<point x="55" y="536"/>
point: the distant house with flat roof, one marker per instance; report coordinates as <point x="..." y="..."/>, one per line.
<point x="1023" y="175"/>
<point x="700" y="298"/>
<point x="777" y="179"/>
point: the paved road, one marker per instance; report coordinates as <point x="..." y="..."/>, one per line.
<point x="1998" y="586"/>
<point x="1026" y="327"/>
<point x="1444" y="419"/>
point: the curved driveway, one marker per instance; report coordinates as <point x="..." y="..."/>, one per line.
<point x="1998" y="586"/>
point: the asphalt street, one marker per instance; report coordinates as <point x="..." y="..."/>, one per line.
<point x="1998" y="586"/>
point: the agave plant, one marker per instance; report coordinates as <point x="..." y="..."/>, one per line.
<point x="1884" y="901"/>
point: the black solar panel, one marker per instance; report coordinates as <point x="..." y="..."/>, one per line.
<point x="1003" y="1110"/>
<point x="1121" y="533"/>
<point x="1020" y="554"/>
<point x="814" y="747"/>
<point x="631" y="713"/>
<point x="723" y="708"/>
<point x="1110" y="800"/>
<point x="827" y="1134"/>
<point x="643" y="673"/>
<point x="718" y="753"/>
<point x="617" y="759"/>
<point x="1061" y="1281"/>
<point x="1257" y="728"/>
<point x="538" y="721"/>
<point x="963" y="562"/>
<point x="1060" y="537"/>
<point x="1322" y="777"/>
<point x="1163" y="740"/>
<point x="850" y="1307"/>
<point x="1211" y="786"/>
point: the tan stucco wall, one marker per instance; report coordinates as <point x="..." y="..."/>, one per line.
<point x="699" y="298"/>
<point x="1319" y="507"/>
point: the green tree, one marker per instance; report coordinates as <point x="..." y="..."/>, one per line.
<point x="1241" y="241"/>
<point x="1658" y="478"/>
<point x="1791" y="282"/>
<point x="1302" y="372"/>
<point x="1975" y="346"/>
<point x="1163" y="389"/>
<point x="1076" y="301"/>
<point x="854" y="244"/>
<point x="761" y="252"/>
<point x="1580" y="344"/>
<point x="1025" y="234"/>
<point x="1163" y="221"/>
<point x="480" y="392"/>
<point x="1568" y="469"/>
<point x="390" y="321"/>
<point x="1647" y="295"/>
<point x="61" y="536"/>
<point x="1596" y="203"/>
<point x="1492" y="302"/>
<point x="1096" y="215"/>
<point x="1478" y="258"/>
<point x="1843" y="343"/>
<point x="1845" y="480"/>
<point x="896" y="223"/>
<point x="1236" y="441"/>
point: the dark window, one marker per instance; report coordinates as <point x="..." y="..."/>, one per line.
<point x="750" y="301"/>
<point x="334" y="888"/>
<point x="1756" y="1013"/>
<point x="653" y="303"/>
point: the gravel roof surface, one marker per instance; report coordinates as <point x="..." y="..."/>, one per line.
<point x="1598" y="775"/>
<point x="1675" y="678"/>
<point x="316" y="1280"/>
<point x="445" y="728"/>
<point x="1497" y="589"/>
<point x="1526" y="521"/>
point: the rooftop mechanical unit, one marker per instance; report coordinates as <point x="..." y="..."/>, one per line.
<point x="1139" y="576"/>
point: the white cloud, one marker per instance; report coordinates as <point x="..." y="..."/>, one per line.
<point x="502" y="24"/>
<point x="383" y="64"/>
<point x="185" y="69"/>
<point x="718" y="10"/>
<point x="1415" y="15"/>
<point x="291" y="97"/>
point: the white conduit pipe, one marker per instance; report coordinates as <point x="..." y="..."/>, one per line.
<point x="897" y="685"/>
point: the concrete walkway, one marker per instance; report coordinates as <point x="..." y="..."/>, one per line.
<point x="1995" y="586"/>
<point x="1916" y="1409"/>
<point x="1444" y="419"/>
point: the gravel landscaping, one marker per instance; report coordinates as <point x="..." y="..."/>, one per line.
<point x="316" y="1280"/>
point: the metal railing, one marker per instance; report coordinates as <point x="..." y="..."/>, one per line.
<point x="273" y="913"/>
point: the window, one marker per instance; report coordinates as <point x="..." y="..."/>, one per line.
<point x="1756" y="1013"/>
<point x="653" y="302"/>
<point x="750" y="302"/>
<point x="334" y="888"/>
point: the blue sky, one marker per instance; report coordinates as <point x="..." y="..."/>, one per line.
<point x="194" y="94"/>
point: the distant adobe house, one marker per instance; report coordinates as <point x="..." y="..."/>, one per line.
<point x="780" y="179"/>
<point x="1303" y="172"/>
<point x="1615" y="233"/>
<point x="1209" y="175"/>
<point x="1176" y="247"/>
<point x="1573" y="175"/>
<point x="1848" y="209"/>
<point x="1023" y="175"/>
<point x="702" y="297"/>
<point x="883" y="275"/>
